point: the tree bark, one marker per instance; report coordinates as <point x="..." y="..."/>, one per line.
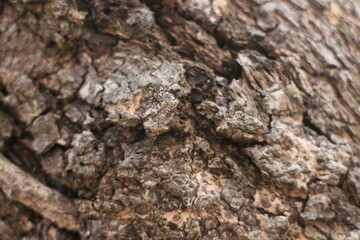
<point x="212" y="119"/>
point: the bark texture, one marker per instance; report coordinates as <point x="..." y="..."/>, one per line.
<point x="180" y="119"/>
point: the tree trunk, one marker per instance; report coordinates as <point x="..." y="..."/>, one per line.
<point x="181" y="119"/>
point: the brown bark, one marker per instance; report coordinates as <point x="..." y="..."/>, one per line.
<point x="212" y="119"/>
<point x="21" y="187"/>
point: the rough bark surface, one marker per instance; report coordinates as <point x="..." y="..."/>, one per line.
<point x="180" y="119"/>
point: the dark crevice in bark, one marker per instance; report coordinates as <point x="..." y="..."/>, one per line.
<point x="231" y="69"/>
<point x="96" y="41"/>
<point x="270" y="122"/>
<point x="299" y="219"/>
<point x="243" y="156"/>
<point x="24" y="158"/>
<point x="270" y="214"/>
<point x="3" y="92"/>
<point x="171" y="39"/>
<point x="61" y="188"/>
<point x="262" y="50"/>
<point x="307" y="123"/>
<point x="220" y="39"/>
<point x="352" y="135"/>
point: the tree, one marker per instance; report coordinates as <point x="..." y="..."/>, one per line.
<point x="212" y="119"/>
